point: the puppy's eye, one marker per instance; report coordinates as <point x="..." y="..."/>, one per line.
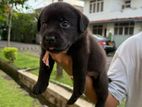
<point x="65" y="24"/>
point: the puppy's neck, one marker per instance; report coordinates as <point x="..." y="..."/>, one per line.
<point x="58" y="57"/>
<point x="64" y="60"/>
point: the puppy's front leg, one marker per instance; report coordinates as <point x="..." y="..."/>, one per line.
<point x="44" y="75"/>
<point x="79" y="71"/>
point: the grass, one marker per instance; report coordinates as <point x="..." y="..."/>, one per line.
<point x="24" y="60"/>
<point x="11" y="95"/>
<point x="64" y="79"/>
<point x="28" y="60"/>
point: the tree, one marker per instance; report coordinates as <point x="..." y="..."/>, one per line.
<point x="6" y="7"/>
<point x="26" y="30"/>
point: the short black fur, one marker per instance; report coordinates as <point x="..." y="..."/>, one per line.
<point x="88" y="58"/>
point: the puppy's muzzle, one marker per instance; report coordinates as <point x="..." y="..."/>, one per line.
<point x="50" y="39"/>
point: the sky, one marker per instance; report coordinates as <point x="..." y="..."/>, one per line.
<point x="36" y="4"/>
<point x="31" y="4"/>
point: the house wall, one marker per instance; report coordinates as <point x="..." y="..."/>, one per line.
<point x="109" y="27"/>
<point x="138" y="27"/>
<point x="113" y="10"/>
<point x="112" y="5"/>
<point x="136" y="4"/>
<point x="119" y="39"/>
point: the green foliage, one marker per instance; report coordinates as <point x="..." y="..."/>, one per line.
<point x="66" y="79"/>
<point x="6" y="7"/>
<point x="15" y="2"/>
<point x="10" y="53"/>
<point x="11" y="95"/>
<point x="24" y="28"/>
<point x="26" y="60"/>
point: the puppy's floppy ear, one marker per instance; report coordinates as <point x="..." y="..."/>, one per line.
<point x="83" y="23"/>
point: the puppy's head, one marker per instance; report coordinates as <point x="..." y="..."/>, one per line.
<point x="60" y="25"/>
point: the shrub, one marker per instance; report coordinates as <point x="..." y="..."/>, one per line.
<point x="10" y="53"/>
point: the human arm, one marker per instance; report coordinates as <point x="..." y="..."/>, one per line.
<point x="117" y="87"/>
<point x="91" y="95"/>
<point x="90" y="91"/>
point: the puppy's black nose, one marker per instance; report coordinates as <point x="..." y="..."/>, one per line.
<point x="50" y="39"/>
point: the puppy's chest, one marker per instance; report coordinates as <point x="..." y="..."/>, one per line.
<point x="63" y="60"/>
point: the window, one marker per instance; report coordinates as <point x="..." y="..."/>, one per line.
<point x="96" y="6"/>
<point x="127" y="4"/>
<point x="98" y="29"/>
<point x="126" y="28"/>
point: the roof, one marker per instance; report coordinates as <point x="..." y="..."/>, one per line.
<point x="136" y="19"/>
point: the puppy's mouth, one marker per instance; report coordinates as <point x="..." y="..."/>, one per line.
<point x="58" y="49"/>
<point x="55" y="43"/>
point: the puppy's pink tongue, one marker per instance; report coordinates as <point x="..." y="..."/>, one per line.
<point x="51" y="48"/>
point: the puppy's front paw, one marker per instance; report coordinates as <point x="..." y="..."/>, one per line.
<point x="38" y="89"/>
<point x="71" y="100"/>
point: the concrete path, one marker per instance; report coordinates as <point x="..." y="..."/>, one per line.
<point x="33" y="48"/>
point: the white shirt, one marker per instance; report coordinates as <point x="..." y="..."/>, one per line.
<point x="126" y="72"/>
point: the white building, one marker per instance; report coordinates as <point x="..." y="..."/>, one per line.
<point x="122" y="18"/>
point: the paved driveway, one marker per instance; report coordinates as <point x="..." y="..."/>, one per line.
<point x="23" y="47"/>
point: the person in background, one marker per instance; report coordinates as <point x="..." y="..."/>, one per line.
<point x="110" y="37"/>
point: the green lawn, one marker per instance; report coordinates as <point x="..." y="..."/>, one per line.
<point x="28" y="60"/>
<point x="24" y="60"/>
<point x="11" y="95"/>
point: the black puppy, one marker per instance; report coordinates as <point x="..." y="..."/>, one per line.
<point x="64" y="28"/>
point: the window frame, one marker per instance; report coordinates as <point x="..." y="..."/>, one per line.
<point x="127" y="4"/>
<point x="96" y="6"/>
<point x="98" y="29"/>
<point x="120" y="28"/>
